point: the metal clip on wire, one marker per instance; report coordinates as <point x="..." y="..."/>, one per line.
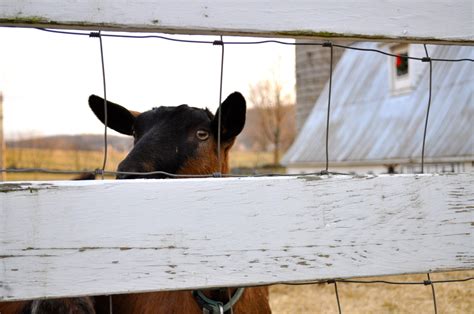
<point x="94" y="34"/>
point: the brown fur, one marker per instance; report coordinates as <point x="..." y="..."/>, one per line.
<point x="83" y="305"/>
<point x="205" y="161"/>
<point x="147" y="166"/>
<point x="12" y="307"/>
<point x="254" y="300"/>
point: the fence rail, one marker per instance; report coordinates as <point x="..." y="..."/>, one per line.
<point x="394" y="20"/>
<point x="79" y="238"/>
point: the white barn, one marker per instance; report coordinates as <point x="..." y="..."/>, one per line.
<point x="378" y="114"/>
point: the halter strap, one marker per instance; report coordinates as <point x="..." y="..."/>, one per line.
<point x="213" y="306"/>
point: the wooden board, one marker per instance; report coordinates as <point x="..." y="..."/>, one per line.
<point x="107" y="237"/>
<point x="428" y="21"/>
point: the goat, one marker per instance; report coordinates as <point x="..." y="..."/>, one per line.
<point x="176" y="140"/>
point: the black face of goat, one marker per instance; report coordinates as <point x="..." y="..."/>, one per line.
<point x="178" y="140"/>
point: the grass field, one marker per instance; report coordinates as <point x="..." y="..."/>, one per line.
<point x="378" y="298"/>
<point x="80" y="160"/>
<point x="57" y="159"/>
<point x="317" y="298"/>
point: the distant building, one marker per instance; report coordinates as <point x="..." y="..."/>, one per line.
<point x="312" y="73"/>
<point x="378" y="109"/>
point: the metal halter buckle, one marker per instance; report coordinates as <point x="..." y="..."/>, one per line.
<point x="210" y="306"/>
<point x="216" y="309"/>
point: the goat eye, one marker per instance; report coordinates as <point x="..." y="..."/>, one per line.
<point x="202" y="135"/>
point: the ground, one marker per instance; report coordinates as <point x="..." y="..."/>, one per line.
<point x="378" y="298"/>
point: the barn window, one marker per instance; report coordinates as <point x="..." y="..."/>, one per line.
<point x="401" y="64"/>
<point x="400" y="68"/>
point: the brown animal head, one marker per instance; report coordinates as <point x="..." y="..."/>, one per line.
<point x="178" y="140"/>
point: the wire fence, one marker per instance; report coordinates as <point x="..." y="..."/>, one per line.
<point x="102" y="172"/>
<point x="221" y="43"/>
<point x="427" y="282"/>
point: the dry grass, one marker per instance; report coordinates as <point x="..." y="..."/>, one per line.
<point x="57" y="159"/>
<point x="377" y="298"/>
<point x="80" y="160"/>
<point x="250" y="159"/>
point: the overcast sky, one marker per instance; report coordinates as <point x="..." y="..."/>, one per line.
<point x="47" y="78"/>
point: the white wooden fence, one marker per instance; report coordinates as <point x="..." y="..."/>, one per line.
<point x="106" y="237"/>
<point x="434" y="21"/>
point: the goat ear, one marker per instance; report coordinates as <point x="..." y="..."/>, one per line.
<point x="233" y="111"/>
<point x="119" y="118"/>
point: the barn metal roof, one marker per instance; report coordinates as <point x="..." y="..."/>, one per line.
<point x="368" y="124"/>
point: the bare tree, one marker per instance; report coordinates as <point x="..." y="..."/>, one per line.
<point x="276" y="119"/>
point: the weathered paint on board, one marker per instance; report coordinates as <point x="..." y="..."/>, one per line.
<point x="106" y="237"/>
<point x="394" y="19"/>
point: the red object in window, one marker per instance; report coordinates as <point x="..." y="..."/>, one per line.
<point x="399" y="61"/>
